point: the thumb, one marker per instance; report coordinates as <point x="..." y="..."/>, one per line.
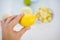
<point x="22" y="31"/>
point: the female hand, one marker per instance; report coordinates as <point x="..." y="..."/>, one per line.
<point x="7" y="28"/>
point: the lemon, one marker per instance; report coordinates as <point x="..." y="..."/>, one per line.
<point x="28" y="20"/>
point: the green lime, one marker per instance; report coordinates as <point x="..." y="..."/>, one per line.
<point x="27" y="2"/>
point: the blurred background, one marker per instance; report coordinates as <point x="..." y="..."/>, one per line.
<point x="39" y="31"/>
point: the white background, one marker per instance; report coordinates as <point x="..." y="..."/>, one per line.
<point x="39" y="31"/>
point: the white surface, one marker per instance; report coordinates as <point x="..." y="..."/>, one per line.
<point x="39" y="31"/>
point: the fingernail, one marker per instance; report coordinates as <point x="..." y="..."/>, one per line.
<point x="28" y="28"/>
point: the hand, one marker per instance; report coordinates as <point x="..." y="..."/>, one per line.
<point x="7" y="28"/>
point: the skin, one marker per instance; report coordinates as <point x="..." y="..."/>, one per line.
<point x="7" y="28"/>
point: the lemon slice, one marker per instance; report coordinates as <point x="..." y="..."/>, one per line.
<point x="26" y="10"/>
<point x="6" y="15"/>
<point x="44" y="14"/>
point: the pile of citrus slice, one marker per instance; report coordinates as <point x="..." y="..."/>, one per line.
<point x="44" y="14"/>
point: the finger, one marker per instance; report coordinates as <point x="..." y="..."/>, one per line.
<point x="10" y="19"/>
<point x="4" y="20"/>
<point x="22" y="31"/>
<point x="2" y="23"/>
<point x="15" y="20"/>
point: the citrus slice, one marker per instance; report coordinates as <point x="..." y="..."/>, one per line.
<point x="6" y="15"/>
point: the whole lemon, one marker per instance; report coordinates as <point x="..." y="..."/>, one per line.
<point x="28" y="20"/>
